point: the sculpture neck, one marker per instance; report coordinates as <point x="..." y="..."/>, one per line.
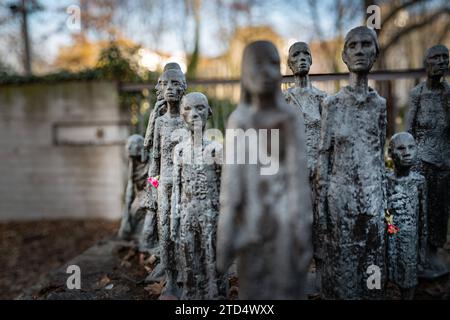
<point x="401" y="172"/>
<point x="359" y="82"/>
<point x="302" y="81"/>
<point x="173" y="108"/>
<point x="433" y="82"/>
<point x="264" y="101"/>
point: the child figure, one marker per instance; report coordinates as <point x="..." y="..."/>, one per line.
<point x="134" y="210"/>
<point x="195" y="202"/>
<point x="406" y="217"/>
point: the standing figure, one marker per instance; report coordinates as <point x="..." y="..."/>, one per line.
<point x="195" y="202"/>
<point x="351" y="178"/>
<point x="407" y="229"/>
<point x="429" y="123"/>
<point x="266" y="218"/>
<point x="307" y="102"/>
<point x="161" y="168"/>
<point x="149" y="235"/>
<point x="134" y="210"/>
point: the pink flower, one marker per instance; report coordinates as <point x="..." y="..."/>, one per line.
<point x="392" y="229"/>
<point x="153" y="181"/>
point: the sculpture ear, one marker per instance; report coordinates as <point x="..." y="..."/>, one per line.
<point x="344" y="56"/>
<point x="210" y="113"/>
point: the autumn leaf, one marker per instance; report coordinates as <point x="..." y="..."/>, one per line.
<point x="155" y="289"/>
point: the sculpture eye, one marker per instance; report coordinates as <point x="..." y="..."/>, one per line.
<point x="187" y="107"/>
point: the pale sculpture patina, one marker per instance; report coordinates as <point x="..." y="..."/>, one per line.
<point x="149" y="235"/>
<point x="195" y="202"/>
<point x="407" y="201"/>
<point x="134" y="209"/>
<point x="429" y="123"/>
<point x="307" y="102"/>
<point x="273" y="263"/>
<point x="305" y="98"/>
<point x="161" y="168"/>
<point x="351" y="177"/>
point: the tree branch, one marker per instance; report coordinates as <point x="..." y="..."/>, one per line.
<point x="396" y="10"/>
<point x="413" y="27"/>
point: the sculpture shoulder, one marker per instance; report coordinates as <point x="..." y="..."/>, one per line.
<point x="330" y="103"/>
<point x="319" y="93"/>
<point x="446" y="85"/>
<point x="178" y="150"/>
<point x="377" y="98"/>
<point x="420" y="179"/>
<point x="288" y="92"/>
<point x="213" y="145"/>
<point x="238" y="118"/>
<point x="416" y="91"/>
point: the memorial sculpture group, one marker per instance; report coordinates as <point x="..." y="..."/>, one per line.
<point x="332" y="202"/>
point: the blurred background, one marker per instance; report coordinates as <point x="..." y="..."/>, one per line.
<point x="77" y="77"/>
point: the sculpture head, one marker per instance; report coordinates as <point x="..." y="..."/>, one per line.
<point x="134" y="146"/>
<point x="173" y="85"/>
<point x="299" y="59"/>
<point x="195" y="110"/>
<point x="260" y="69"/>
<point x="436" y="61"/>
<point x="361" y="49"/>
<point x="159" y="85"/>
<point x="403" y="150"/>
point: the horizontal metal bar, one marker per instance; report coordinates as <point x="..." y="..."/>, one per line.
<point x="382" y="75"/>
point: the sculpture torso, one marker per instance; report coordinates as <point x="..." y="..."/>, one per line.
<point x="272" y="235"/>
<point x="354" y="135"/>
<point x="196" y="201"/>
<point x="430" y="124"/>
<point x="165" y="127"/>
<point x="403" y="247"/>
<point x="307" y="102"/>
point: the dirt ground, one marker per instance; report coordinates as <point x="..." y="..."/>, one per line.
<point x="30" y="250"/>
<point x="34" y="257"/>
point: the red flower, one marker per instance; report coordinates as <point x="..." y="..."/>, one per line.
<point x="153" y="181"/>
<point x="392" y="229"/>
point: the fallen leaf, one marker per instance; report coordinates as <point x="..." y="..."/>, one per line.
<point x="129" y="255"/>
<point x="105" y="280"/>
<point x="155" y="289"/>
<point x="109" y="286"/>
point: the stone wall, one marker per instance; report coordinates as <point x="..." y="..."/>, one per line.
<point x="61" y="151"/>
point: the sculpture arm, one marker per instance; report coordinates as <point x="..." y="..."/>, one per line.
<point x="176" y="193"/>
<point x="231" y="206"/>
<point x="300" y="194"/>
<point x="125" y="225"/>
<point x="149" y="134"/>
<point x="154" y="167"/>
<point x="413" y="105"/>
<point x="383" y="126"/>
<point x="423" y="224"/>
<point x="324" y="164"/>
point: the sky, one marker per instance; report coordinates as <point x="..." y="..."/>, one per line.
<point x="290" y="24"/>
<point x="280" y="18"/>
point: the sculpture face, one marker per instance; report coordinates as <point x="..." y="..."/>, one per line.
<point x="173" y="85"/>
<point x="159" y="89"/>
<point x="403" y="150"/>
<point x="261" y="71"/>
<point x="135" y="144"/>
<point x="195" y="110"/>
<point x="299" y="59"/>
<point x="360" y="52"/>
<point x="436" y="61"/>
